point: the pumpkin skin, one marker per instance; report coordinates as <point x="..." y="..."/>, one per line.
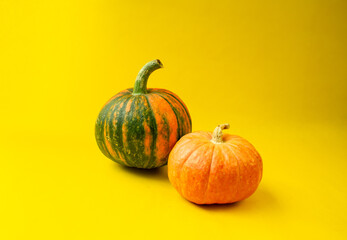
<point x="205" y="171"/>
<point x="140" y="129"/>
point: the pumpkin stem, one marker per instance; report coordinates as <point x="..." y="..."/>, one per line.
<point x="217" y="134"/>
<point x="142" y="77"/>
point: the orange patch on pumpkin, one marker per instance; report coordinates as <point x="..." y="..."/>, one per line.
<point x="161" y="110"/>
<point x="125" y="128"/>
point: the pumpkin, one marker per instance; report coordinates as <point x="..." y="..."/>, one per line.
<point x="208" y="168"/>
<point x="138" y="127"/>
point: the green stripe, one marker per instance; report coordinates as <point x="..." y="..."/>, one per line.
<point x="110" y="127"/>
<point x="99" y="129"/>
<point x="134" y="133"/>
<point x="116" y="131"/>
<point x="152" y="123"/>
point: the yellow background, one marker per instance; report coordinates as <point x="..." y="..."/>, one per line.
<point x="275" y="70"/>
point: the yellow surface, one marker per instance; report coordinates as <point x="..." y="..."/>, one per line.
<point x="275" y="70"/>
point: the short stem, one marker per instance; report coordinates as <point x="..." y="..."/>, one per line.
<point x="217" y="135"/>
<point x="142" y="77"/>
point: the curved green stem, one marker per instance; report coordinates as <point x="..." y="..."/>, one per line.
<point x="217" y="135"/>
<point x="142" y="77"/>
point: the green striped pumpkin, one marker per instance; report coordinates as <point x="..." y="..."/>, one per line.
<point x="138" y="127"/>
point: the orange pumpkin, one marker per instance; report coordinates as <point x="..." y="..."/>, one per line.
<point x="207" y="168"/>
